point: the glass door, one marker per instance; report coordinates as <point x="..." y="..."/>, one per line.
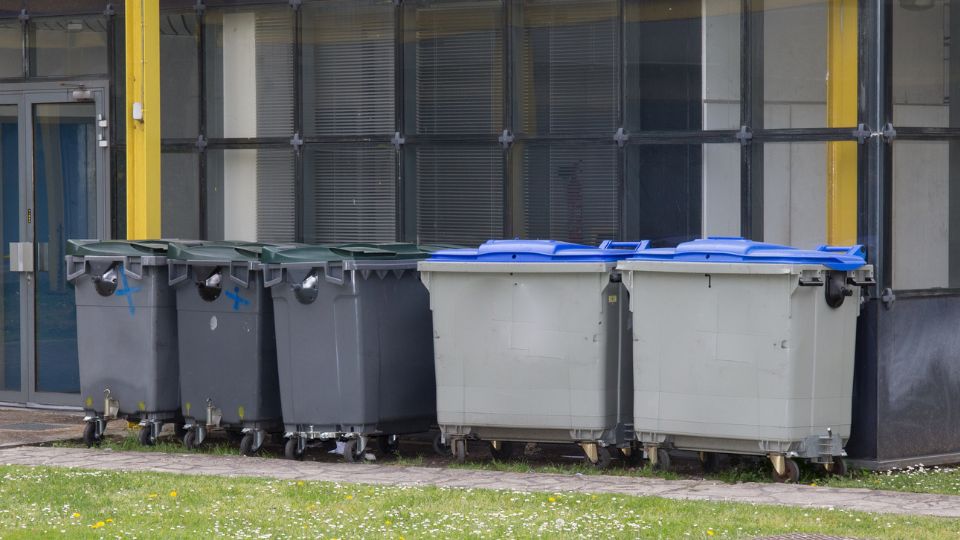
<point x="60" y="182"/>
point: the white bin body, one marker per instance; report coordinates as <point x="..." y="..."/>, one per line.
<point x="738" y="357"/>
<point x="529" y="351"/>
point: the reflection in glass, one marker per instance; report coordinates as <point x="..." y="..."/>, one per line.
<point x="348" y="67"/>
<point x="180" y="189"/>
<point x="11" y="49"/>
<point x="9" y="232"/>
<point x="179" y="87"/>
<point x="926" y="63"/>
<point x="65" y="177"/>
<point x="664" y="185"/>
<point x="250" y="195"/>
<point x="68" y="46"/>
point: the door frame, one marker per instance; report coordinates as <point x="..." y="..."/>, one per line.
<point x="26" y="95"/>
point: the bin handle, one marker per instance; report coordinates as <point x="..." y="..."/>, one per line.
<point x="133" y="267"/>
<point x="272" y="275"/>
<point x="635" y="246"/>
<point x="76" y="267"/>
<point x="333" y="278"/>
<point x="854" y="250"/>
<point x="177" y="272"/>
<point x="240" y="273"/>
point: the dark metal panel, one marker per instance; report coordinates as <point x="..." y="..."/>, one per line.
<point x="751" y="118"/>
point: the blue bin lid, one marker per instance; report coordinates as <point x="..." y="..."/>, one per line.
<point x="540" y="251"/>
<point x="720" y="249"/>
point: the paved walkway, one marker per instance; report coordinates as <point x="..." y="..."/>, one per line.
<point x="793" y="495"/>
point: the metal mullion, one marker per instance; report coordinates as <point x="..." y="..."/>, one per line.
<point x="298" y="189"/>
<point x="347" y="139"/>
<point x="400" y="209"/>
<point x="751" y="118"/>
<point x="506" y="54"/>
<point x="927" y="133"/>
<point x="621" y="114"/>
<point x="202" y="202"/>
<point x="803" y="135"/>
<point x="113" y="117"/>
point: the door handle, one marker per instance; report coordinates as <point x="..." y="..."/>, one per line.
<point x="21" y="256"/>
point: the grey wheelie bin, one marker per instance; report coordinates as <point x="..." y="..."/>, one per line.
<point x="126" y="335"/>
<point x="228" y="359"/>
<point x="532" y="344"/>
<point x="745" y="348"/>
<point x="354" y="344"/>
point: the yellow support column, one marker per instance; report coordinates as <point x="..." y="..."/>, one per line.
<point x="842" y="112"/>
<point x="143" y="118"/>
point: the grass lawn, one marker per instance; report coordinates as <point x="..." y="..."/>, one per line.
<point x="51" y="502"/>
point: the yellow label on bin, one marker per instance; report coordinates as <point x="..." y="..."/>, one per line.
<point x="240" y="412"/>
<point x="612" y="299"/>
<point x="89" y="401"/>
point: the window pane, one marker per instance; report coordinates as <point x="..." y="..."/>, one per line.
<point x="721" y="190"/>
<point x="179" y="87"/>
<point x="459" y="192"/>
<point x="11" y="49"/>
<point x="568" y="67"/>
<point x="926" y="233"/>
<point x="180" y="188"/>
<point x="249" y="72"/>
<point x="795" y="192"/>
<point x="68" y="46"/>
<point x="670" y="47"/>
<point x="663" y="192"/>
<point x="570" y="192"/>
<point x="457" y="80"/>
<point x="250" y="195"/>
<point x="9" y="232"/>
<point x="924" y="77"/>
<point x="348" y="67"/>
<point x="795" y="68"/>
<point x="350" y="193"/>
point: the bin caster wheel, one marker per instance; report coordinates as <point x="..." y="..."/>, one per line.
<point x="439" y="447"/>
<point x="631" y="456"/>
<point x="791" y="473"/>
<point x="501" y="450"/>
<point x="291" y="450"/>
<point x="246" y="445"/>
<point x="603" y="457"/>
<point x="460" y="450"/>
<point x="709" y="461"/>
<point x="389" y="444"/>
<point x="350" y="454"/>
<point x="838" y="467"/>
<point x="190" y="440"/>
<point x="90" y="435"/>
<point x="146" y="436"/>
<point x="663" y="460"/>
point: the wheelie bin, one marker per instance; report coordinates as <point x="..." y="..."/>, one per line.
<point x="126" y="335"/>
<point x="532" y="344"/>
<point x="354" y="344"/>
<point x="745" y="348"/>
<point x="228" y="359"/>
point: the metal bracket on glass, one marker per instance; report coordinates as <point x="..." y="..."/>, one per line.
<point x="24" y="16"/>
<point x="397" y="2"/>
<point x="296" y="141"/>
<point x="621" y="136"/>
<point x="201" y="143"/>
<point x="398" y="140"/>
<point x="744" y="135"/>
<point x="109" y="11"/>
<point x="862" y="133"/>
<point x="199" y="7"/>
<point x="295" y="4"/>
<point x="506" y="139"/>
<point x="889" y="133"/>
<point x="888" y="298"/>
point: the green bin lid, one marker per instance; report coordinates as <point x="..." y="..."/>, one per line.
<point x="218" y="251"/>
<point x="118" y="248"/>
<point x="358" y="251"/>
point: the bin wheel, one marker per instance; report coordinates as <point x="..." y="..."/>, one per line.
<point x="146" y="436"/>
<point x="190" y="440"/>
<point x="350" y="451"/>
<point x="291" y="450"/>
<point x="460" y="450"/>
<point x="603" y="457"/>
<point x="631" y="456"/>
<point x="439" y="447"/>
<point x="663" y="460"/>
<point x="709" y="461"/>
<point x="504" y="452"/>
<point x="389" y="444"/>
<point x="839" y="467"/>
<point x="246" y="445"/>
<point x="790" y="476"/>
<point x="90" y="437"/>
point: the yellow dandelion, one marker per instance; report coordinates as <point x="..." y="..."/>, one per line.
<point x="152" y="496"/>
<point x="814" y="484"/>
<point x="552" y="499"/>
<point x="173" y="493"/>
<point x="76" y="514"/>
<point x="349" y="497"/>
<point x="710" y="532"/>
<point x="109" y="520"/>
<point x="97" y="525"/>
<point x="300" y="482"/>
<point x="388" y="522"/>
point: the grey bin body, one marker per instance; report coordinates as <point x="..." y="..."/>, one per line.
<point x="535" y="352"/>
<point x="127" y="336"/>
<point x="356" y="357"/>
<point x="228" y="360"/>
